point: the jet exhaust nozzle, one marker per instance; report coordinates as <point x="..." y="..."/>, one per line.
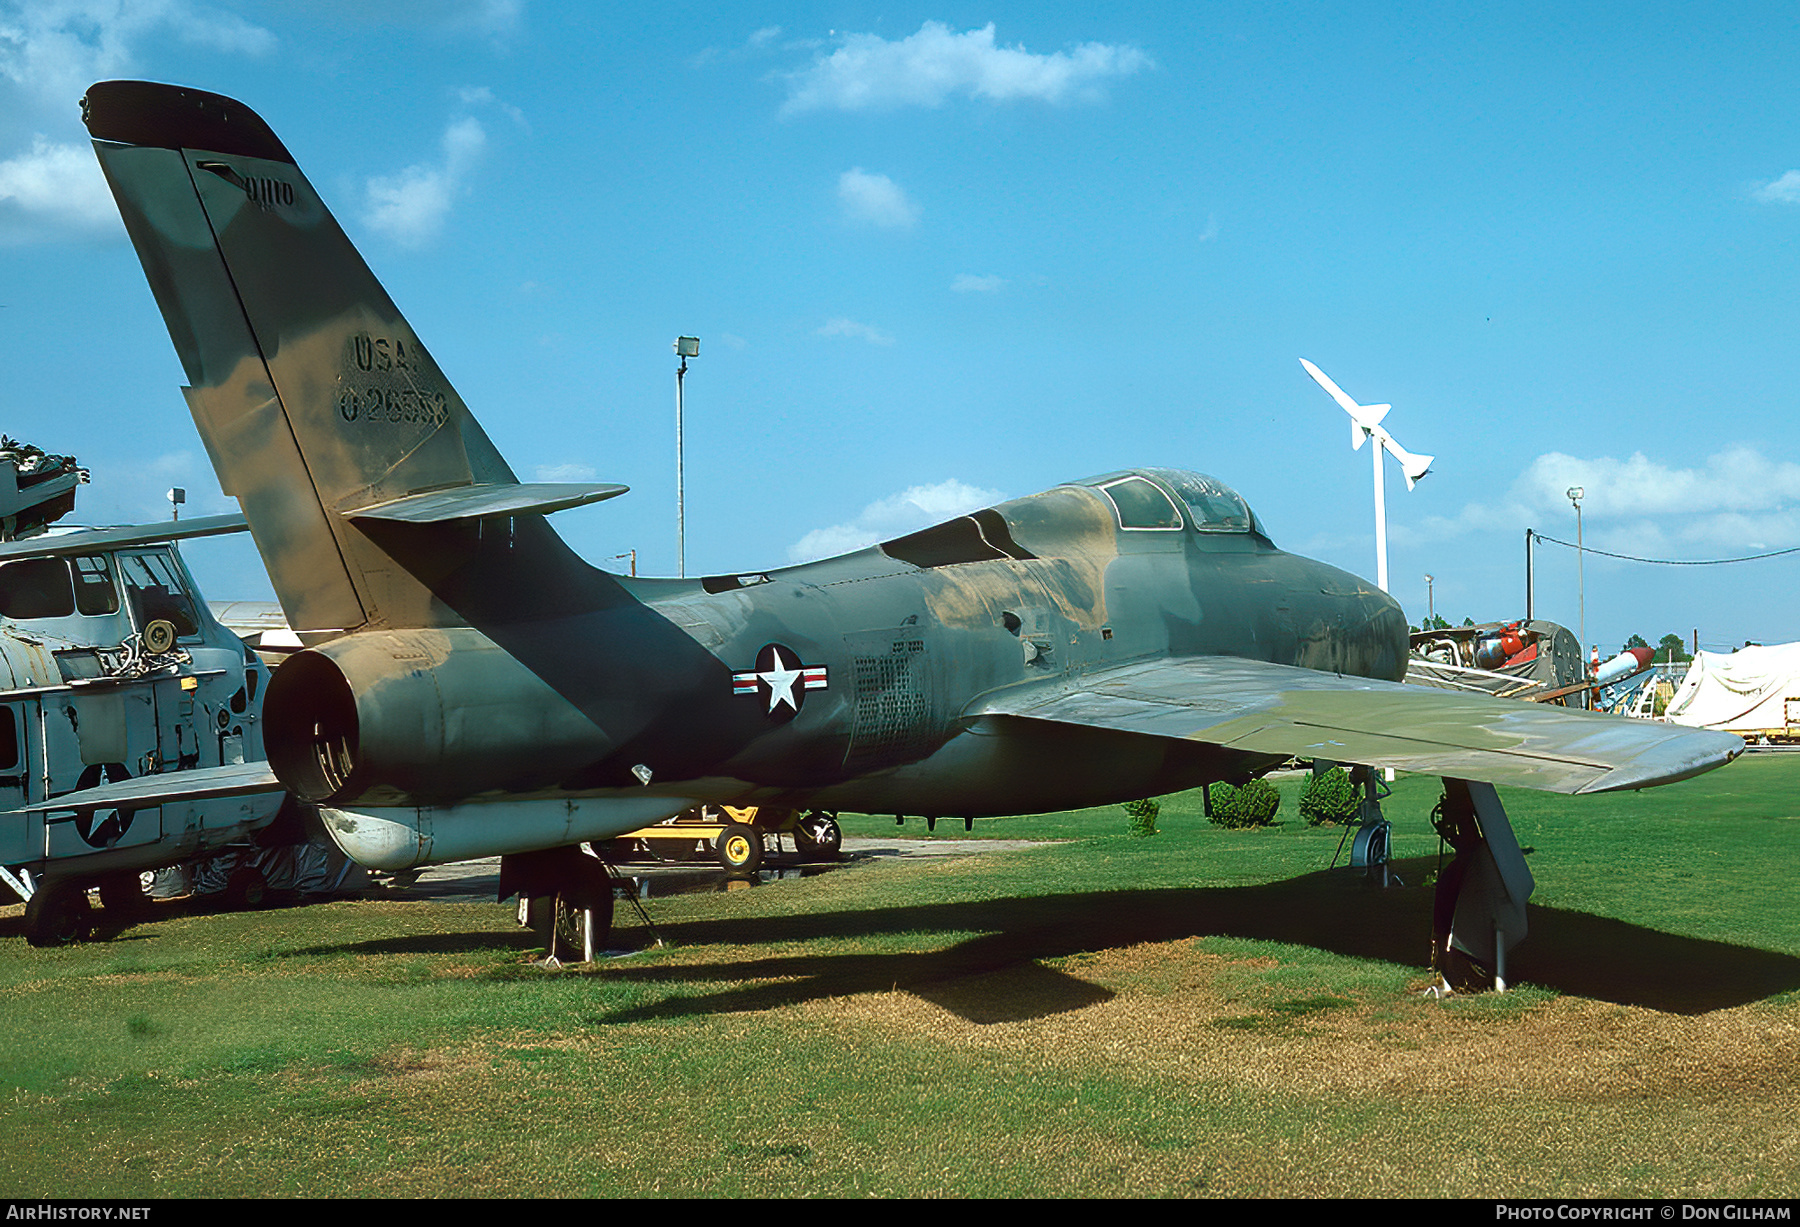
<point x="420" y="717"/>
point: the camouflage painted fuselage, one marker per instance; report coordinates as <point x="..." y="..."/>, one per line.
<point x="853" y="682"/>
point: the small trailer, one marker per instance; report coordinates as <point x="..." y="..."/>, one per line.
<point x="738" y="836"/>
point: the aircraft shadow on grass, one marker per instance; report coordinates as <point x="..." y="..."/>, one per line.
<point x="998" y="975"/>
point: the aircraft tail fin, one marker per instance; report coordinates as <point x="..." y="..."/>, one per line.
<point x="320" y="410"/>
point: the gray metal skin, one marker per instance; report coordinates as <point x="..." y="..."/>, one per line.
<point x="76" y="710"/>
<point x="1037" y="655"/>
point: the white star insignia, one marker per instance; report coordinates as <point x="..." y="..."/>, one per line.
<point x="780" y="679"/>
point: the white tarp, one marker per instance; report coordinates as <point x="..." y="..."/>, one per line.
<point x="1741" y="691"/>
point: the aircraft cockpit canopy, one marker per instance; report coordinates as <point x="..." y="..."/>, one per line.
<point x="1172" y="499"/>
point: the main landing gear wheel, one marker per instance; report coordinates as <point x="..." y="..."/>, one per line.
<point x="245" y="889"/>
<point x="123" y="895"/>
<point x="740" y="848"/>
<point x="558" y="925"/>
<point x="818" y="837"/>
<point x="58" y="914"/>
<point x="561" y="888"/>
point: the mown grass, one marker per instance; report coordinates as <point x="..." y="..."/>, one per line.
<point x="1199" y="1013"/>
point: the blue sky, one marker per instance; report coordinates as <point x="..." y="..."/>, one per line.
<point x="942" y="255"/>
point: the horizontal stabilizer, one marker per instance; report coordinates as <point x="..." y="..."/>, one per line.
<point x="87" y="540"/>
<point x="233" y="780"/>
<point x="481" y="502"/>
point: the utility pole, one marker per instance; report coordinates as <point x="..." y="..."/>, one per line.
<point x="1530" y="534"/>
<point x="1576" y="494"/>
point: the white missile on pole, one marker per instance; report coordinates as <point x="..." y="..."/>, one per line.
<point x="1365" y="423"/>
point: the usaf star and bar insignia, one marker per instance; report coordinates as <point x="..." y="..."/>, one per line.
<point x="779" y="675"/>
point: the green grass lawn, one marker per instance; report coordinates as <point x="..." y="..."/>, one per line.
<point x="1204" y="1012"/>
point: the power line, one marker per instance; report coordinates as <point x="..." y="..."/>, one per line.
<point x="1666" y="562"/>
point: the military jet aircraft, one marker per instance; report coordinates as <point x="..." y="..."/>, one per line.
<point x="475" y="689"/>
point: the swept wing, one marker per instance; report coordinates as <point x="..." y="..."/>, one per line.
<point x="1255" y="706"/>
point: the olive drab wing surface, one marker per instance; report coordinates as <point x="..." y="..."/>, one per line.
<point x="487" y="692"/>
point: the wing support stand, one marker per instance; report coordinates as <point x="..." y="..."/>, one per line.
<point x="1478" y="913"/>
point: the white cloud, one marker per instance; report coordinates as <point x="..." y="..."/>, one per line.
<point x="969" y="283"/>
<point x="876" y="199"/>
<point x="912" y="509"/>
<point x="481" y="95"/>
<point x="762" y="42"/>
<point x="1735" y="501"/>
<point x="410" y="207"/>
<point x="841" y="327"/>
<point x="55" y="188"/>
<point x="493" y="18"/>
<point x="1785" y="190"/>
<point x="54" y="49"/>
<point x="867" y="72"/>
<point x="1738" y="479"/>
<point x="566" y="472"/>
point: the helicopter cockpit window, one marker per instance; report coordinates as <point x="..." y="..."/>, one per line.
<point x="155" y="591"/>
<point x="95" y="592"/>
<point x="1141" y="505"/>
<point x="36" y="588"/>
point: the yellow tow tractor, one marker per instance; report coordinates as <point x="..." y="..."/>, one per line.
<point x="733" y="834"/>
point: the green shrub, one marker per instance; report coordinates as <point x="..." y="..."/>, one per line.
<point x="1253" y="805"/>
<point x="1329" y="799"/>
<point x="1142" y="815"/>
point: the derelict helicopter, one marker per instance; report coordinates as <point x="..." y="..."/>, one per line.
<point x="112" y="669"/>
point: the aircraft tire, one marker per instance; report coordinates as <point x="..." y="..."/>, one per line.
<point x="58" y="914"/>
<point x="558" y="924"/>
<point x="123" y="895"/>
<point x="818" y="837"/>
<point x="740" y="848"/>
<point x="245" y="889"/>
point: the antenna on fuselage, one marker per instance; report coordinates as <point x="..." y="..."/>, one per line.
<point x="1365" y="423"/>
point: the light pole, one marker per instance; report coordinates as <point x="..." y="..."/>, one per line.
<point x="1430" y="606"/>
<point x="685" y="348"/>
<point x="1576" y="494"/>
